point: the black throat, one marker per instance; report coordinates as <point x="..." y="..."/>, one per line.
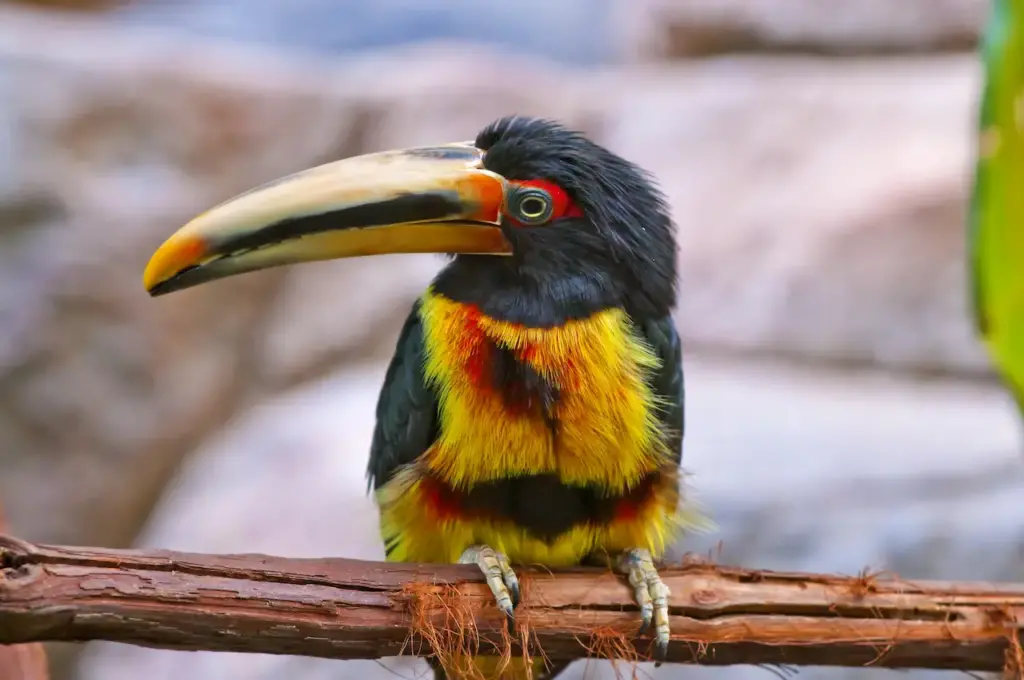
<point x="528" y="291"/>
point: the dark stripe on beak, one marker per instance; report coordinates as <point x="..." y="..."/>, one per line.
<point x="405" y="208"/>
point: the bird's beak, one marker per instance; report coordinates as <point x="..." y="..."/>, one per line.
<point x="424" y="200"/>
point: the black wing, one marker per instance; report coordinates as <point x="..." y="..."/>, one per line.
<point x="667" y="382"/>
<point x="407" y="418"/>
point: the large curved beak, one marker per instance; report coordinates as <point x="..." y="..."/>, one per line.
<point x="424" y="200"/>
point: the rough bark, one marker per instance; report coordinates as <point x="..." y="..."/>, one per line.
<point x="350" y="609"/>
<point x="20" y="662"/>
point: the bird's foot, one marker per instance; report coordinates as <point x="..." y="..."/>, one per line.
<point x="502" y="581"/>
<point x="651" y="594"/>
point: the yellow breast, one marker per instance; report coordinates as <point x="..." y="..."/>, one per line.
<point x="607" y="434"/>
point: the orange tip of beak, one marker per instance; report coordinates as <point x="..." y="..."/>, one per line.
<point x="177" y="253"/>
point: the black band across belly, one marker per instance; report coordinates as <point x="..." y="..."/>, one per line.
<point x="541" y="504"/>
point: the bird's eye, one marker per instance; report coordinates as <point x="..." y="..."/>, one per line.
<point x="535" y="202"/>
<point x="531" y="205"/>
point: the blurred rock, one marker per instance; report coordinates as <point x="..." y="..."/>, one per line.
<point x="571" y="31"/>
<point x="821" y="203"/>
<point x="839" y="472"/>
<point x="678" y="29"/>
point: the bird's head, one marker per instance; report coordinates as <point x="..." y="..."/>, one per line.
<point x="528" y="200"/>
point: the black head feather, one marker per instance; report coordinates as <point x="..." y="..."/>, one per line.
<point x="620" y="253"/>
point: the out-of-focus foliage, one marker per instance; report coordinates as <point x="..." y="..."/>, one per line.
<point x="997" y="210"/>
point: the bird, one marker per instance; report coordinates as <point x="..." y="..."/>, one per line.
<point x="995" y="244"/>
<point x="533" y="411"/>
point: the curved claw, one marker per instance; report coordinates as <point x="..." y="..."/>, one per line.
<point x="651" y="594"/>
<point x="501" y="579"/>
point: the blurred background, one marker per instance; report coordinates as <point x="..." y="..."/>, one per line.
<point x="841" y="413"/>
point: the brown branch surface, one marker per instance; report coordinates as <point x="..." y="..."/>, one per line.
<point x="21" y="662"/>
<point x="352" y="609"/>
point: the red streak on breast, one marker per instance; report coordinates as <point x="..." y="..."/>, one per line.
<point x="478" y="351"/>
<point x="630" y="506"/>
<point x="440" y="500"/>
<point x="528" y="352"/>
<point x="475" y="343"/>
<point x="569" y="378"/>
<point x="626" y="509"/>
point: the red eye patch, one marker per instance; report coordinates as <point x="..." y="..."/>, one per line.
<point x="561" y="204"/>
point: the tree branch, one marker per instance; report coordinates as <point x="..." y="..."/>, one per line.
<point x="351" y="609"/>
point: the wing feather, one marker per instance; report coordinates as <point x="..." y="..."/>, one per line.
<point x="667" y="381"/>
<point x="407" y="408"/>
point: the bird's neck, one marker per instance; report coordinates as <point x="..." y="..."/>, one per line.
<point x="535" y="294"/>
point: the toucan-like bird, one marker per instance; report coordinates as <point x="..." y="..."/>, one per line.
<point x="533" y="411"/>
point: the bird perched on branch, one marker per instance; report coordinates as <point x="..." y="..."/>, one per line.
<point x="996" y="231"/>
<point x="533" y="410"/>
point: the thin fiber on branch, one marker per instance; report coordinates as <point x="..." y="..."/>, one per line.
<point x="352" y="609"/>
